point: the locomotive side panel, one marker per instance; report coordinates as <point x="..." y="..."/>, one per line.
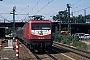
<point x="26" y="31"/>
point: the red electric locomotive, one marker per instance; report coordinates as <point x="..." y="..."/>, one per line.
<point x="37" y="34"/>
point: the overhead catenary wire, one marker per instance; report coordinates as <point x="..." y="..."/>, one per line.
<point x="44" y="6"/>
<point x="4" y="18"/>
<point x="25" y="8"/>
<point x="9" y="14"/>
<point x="32" y="8"/>
<point x="81" y="9"/>
<point x="28" y="6"/>
<point x="72" y="5"/>
<point x="4" y="13"/>
<point x="76" y="2"/>
<point x="23" y="18"/>
<point x="35" y="4"/>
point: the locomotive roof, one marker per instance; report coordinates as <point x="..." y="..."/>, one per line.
<point x="37" y="17"/>
<point x="39" y="21"/>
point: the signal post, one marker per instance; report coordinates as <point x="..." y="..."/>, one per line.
<point x="0" y="43"/>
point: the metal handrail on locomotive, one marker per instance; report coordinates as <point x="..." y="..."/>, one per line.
<point x="37" y="34"/>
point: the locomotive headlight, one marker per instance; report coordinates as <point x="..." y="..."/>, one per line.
<point x="38" y="37"/>
<point x="49" y="37"/>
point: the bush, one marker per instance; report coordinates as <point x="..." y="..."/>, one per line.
<point x="80" y="45"/>
<point x="67" y="39"/>
<point x="57" y="37"/>
<point x="75" y="39"/>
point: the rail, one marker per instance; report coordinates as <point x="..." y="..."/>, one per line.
<point x="73" y="49"/>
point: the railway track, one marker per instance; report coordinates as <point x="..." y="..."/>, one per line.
<point x="25" y="54"/>
<point x="57" y="54"/>
<point x="45" y="56"/>
<point x="74" y="50"/>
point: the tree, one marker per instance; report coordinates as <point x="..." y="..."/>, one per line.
<point x="8" y="31"/>
<point x="61" y="16"/>
<point x="87" y="16"/>
<point x="73" y="19"/>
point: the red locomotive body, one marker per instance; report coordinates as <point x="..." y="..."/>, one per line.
<point x="30" y="31"/>
<point x="37" y="34"/>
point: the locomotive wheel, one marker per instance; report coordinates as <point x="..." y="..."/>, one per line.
<point x="27" y="45"/>
<point x="50" y="49"/>
<point x="30" y="47"/>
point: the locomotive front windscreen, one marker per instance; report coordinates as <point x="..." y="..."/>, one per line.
<point x="40" y="26"/>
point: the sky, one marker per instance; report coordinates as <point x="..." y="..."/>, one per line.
<point x="47" y="8"/>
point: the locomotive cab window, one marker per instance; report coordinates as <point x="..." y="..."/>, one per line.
<point x="46" y="26"/>
<point x="37" y="26"/>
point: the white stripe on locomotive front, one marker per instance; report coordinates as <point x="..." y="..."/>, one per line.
<point x="45" y="32"/>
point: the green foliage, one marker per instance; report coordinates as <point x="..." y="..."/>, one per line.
<point x="67" y="39"/>
<point x="62" y="16"/>
<point x="65" y="29"/>
<point x="75" y="39"/>
<point x="83" y="46"/>
<point x="87" y="16"/>
<point x="57" y="37"/>
<point x="80" y="45"/>
<point x="8" y="31"/>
